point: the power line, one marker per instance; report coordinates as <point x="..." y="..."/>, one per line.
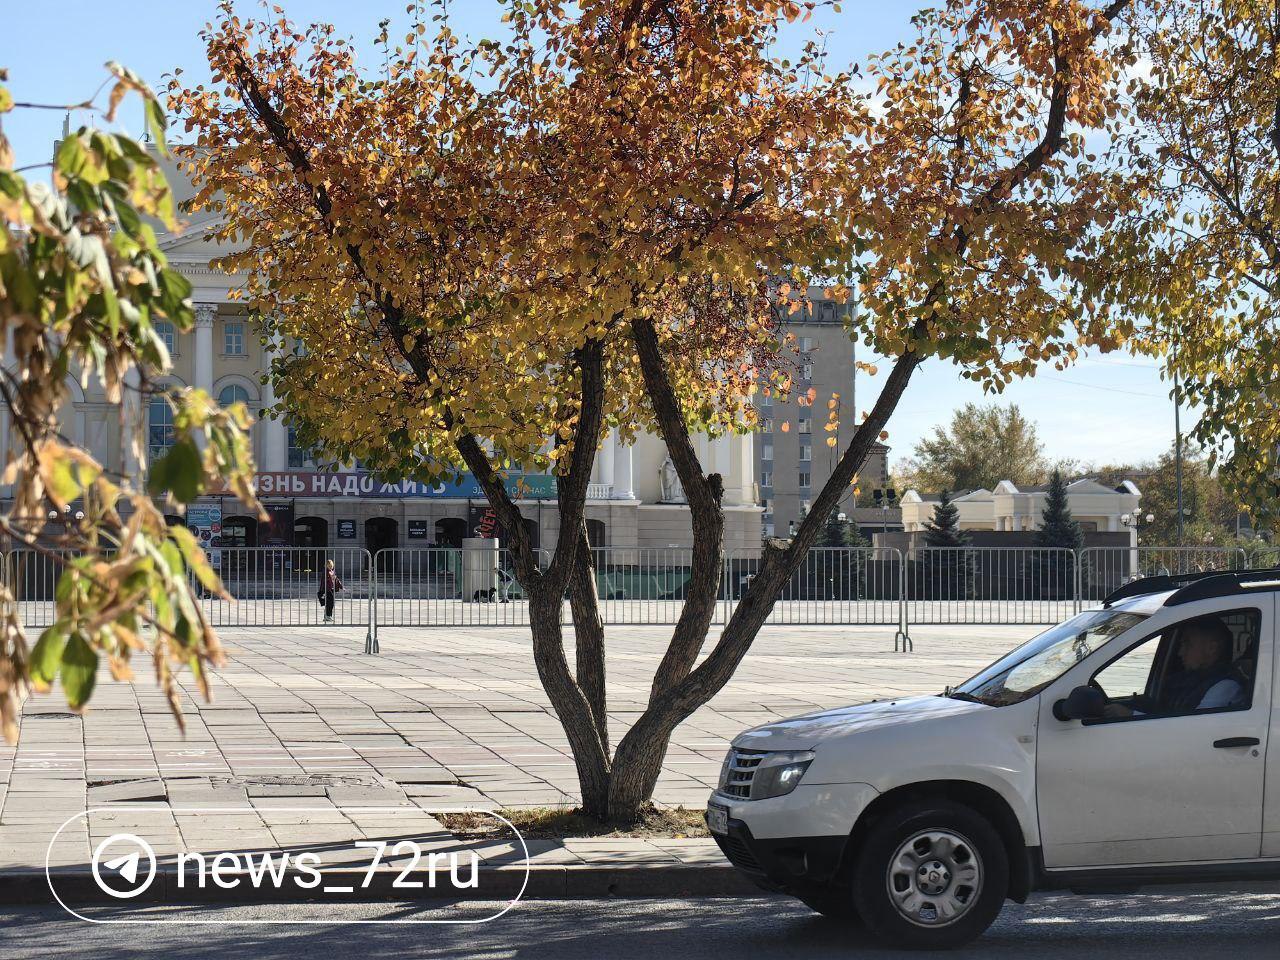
<point x="1095" y="386"/>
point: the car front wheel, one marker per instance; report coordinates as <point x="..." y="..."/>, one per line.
<point x="931" y="875"/>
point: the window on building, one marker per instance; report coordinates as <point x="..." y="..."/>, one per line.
<point x="234" y="393"/>
<point x="805" y="479"/>
<point x="766" y="451"/>
<point x="766" y="478"/>
<point x="233" y="339"/>
<point x="160" y="432"/>
<point x="806" y="371"/>
<point x="804" y="507"/>
<point x="806" y="344"/>
<point x="806" y="425"/>
<point x="299" y="456"/>
<point x="806" y="453"/>
<point x="767" y="424"/>
<point x="167" y="335"/>
<point x="767" y="528"/>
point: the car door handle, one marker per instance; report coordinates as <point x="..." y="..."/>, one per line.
<point x="1230" y="742"/>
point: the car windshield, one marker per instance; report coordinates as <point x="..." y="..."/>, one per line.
<point x="1026" y="671"/>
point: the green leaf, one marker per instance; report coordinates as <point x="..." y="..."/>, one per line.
<point x="195" y="557"/>
<point x="178" y="472"/>
<point x="156" y="124"/>
<point x="79" y="671"/>
<point x="46" y="656"/>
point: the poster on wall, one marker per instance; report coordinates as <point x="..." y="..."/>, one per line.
<point x="483" y="522"/>
<point x="419" y="530"/>
<point x="204" y="520"/>
<point x="278" y="530"/>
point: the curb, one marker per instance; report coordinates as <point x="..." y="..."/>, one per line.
<point x="78" y="888"/>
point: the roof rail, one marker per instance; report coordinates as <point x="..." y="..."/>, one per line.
<point x="1198" y="586"/>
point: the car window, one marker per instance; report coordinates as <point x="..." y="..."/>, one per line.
<point x="1205" y="663"/>
<point x="1130" y="674"/>
<point x="1031" y="667"/>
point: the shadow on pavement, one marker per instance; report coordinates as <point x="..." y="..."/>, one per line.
<point x="1242" y="925"/>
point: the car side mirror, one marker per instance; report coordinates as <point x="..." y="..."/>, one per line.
<point x="1083" y="703"/>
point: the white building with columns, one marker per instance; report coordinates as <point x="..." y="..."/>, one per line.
<point x="1010" y="507"/>
<point x="630" y="504"/>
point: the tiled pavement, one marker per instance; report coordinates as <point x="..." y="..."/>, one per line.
<point x="442" y="719"/>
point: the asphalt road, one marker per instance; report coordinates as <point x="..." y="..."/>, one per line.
<point x="1199" y="925"/>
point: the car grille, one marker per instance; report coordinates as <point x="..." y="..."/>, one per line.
<point x="742" y="770"/>
<point x="738" y="853"/>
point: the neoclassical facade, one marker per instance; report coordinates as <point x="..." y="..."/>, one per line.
<point x="631" y="505"/>
<point x="1009" y="507"/>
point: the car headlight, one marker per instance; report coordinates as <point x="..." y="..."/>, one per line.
<point x="779" y="772"/>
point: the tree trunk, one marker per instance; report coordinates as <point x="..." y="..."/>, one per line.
<point x="634" y="775"/>
<point x="590" y="755"/>
<point x="588" y="629"/>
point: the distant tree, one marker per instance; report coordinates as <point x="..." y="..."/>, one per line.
<point x="982" y="445"/>
<point x="1057" y="527"/>
<point x="945" y="565"/>
<point x="835" y="573"/>
<point x="1210" y="511"/>
<point x="944" y="529"/>
<point x="841" y="533"/>
<point x="1054" y="571"/>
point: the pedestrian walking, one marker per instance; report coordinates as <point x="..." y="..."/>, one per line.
<point x="505" y="580"/>
<point x="329" y="589"/>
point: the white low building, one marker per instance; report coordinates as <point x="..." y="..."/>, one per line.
<point x="1009" y="507"/>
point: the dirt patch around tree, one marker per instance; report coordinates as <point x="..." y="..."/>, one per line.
<point x="551" y="823"/>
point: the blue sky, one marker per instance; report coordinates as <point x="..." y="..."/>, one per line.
<point x="1104" y="410"/>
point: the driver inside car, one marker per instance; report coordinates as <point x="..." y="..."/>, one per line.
<point x="1208" y="678"/>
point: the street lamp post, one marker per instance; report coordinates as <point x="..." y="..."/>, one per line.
<point x="1133" y="521"/>
<point x="884" y="499"/>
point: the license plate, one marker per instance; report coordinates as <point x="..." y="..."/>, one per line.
<point x="717" y="818"/>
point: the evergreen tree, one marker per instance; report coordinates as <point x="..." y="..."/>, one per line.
<point x="836" y="569"/>
<point x="946" y="564"/>
<point x="1057" y="527"/>
<point x="944" y="529"/>
<point x="1054" y="570"/>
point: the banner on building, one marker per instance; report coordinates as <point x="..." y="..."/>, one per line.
<point x="300" y="485"/>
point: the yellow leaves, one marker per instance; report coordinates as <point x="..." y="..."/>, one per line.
<point x="66" y="472"/>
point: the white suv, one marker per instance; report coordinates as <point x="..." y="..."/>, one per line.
<point x="1124" y="747"/>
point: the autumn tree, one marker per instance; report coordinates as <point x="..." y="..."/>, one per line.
<point x="83" y="285"/>
<point x="982" y="445"/>
<point x="489" y="277"/>
<point x="1201" y="257"/>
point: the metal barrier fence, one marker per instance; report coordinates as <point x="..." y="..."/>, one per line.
<point x="1100" y="570"/>
<point x="990" y="585"/>
<point x="284" y="586"/>
<point x="442" y="586"/>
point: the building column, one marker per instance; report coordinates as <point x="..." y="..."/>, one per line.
<point x="605" y="460"/>
<point x="275" y="438"/>
<point x="133" y="463"/>
<point x="623" y="481"/>
<point x="203" y="367"/>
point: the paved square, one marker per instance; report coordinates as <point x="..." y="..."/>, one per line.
<point x="444" y="718"/>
